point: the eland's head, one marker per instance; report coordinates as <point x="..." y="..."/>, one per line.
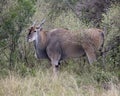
<point x="34" y="31"/>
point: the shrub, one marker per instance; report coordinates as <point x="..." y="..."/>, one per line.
<point x="111" y="23"/>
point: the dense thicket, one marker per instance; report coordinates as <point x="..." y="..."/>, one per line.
<point x="89" y="11"/>
<point x="111" y="24"/>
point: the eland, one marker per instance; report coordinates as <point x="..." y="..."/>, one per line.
<point x="59" y="44"/>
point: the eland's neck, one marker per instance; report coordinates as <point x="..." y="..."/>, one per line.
<point x="41" y="40"/>
<point x="40" y="45"/>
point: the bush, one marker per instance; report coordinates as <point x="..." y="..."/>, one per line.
<point x="111" y="23"/>
<point x="14" y="20"/>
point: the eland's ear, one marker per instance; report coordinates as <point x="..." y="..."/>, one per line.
<point x="41" y="29"/>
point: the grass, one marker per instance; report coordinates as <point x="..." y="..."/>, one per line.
<point x="43" y="84"/>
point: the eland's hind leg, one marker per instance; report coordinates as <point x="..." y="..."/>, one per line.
<point x="90" y="52"/>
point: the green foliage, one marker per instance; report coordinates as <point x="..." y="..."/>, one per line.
<point x="58" y="7"/>
<point x="102" y="76"/>
<point x="14" y="20"/>
<point x="69" y="21"/>
<point x="111" y="23"/>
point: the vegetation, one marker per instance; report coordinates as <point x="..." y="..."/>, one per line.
<point x="44" y="85"/>
<point x="13" y="21"/>
<point x="21" y="74"/>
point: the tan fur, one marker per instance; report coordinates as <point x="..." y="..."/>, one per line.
<point x="70" y="42"/>
<point x="95" y="37"/>
<point x="92" y="35"/>
<point x="43" y="38"/>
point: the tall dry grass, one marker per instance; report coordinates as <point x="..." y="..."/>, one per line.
<point x="43" y="84"/>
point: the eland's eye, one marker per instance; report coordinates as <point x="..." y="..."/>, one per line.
<point x="29" y="33"/>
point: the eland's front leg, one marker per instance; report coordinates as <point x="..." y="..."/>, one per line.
<point x="55" y="67"/>
<point x="54" y="54"/>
